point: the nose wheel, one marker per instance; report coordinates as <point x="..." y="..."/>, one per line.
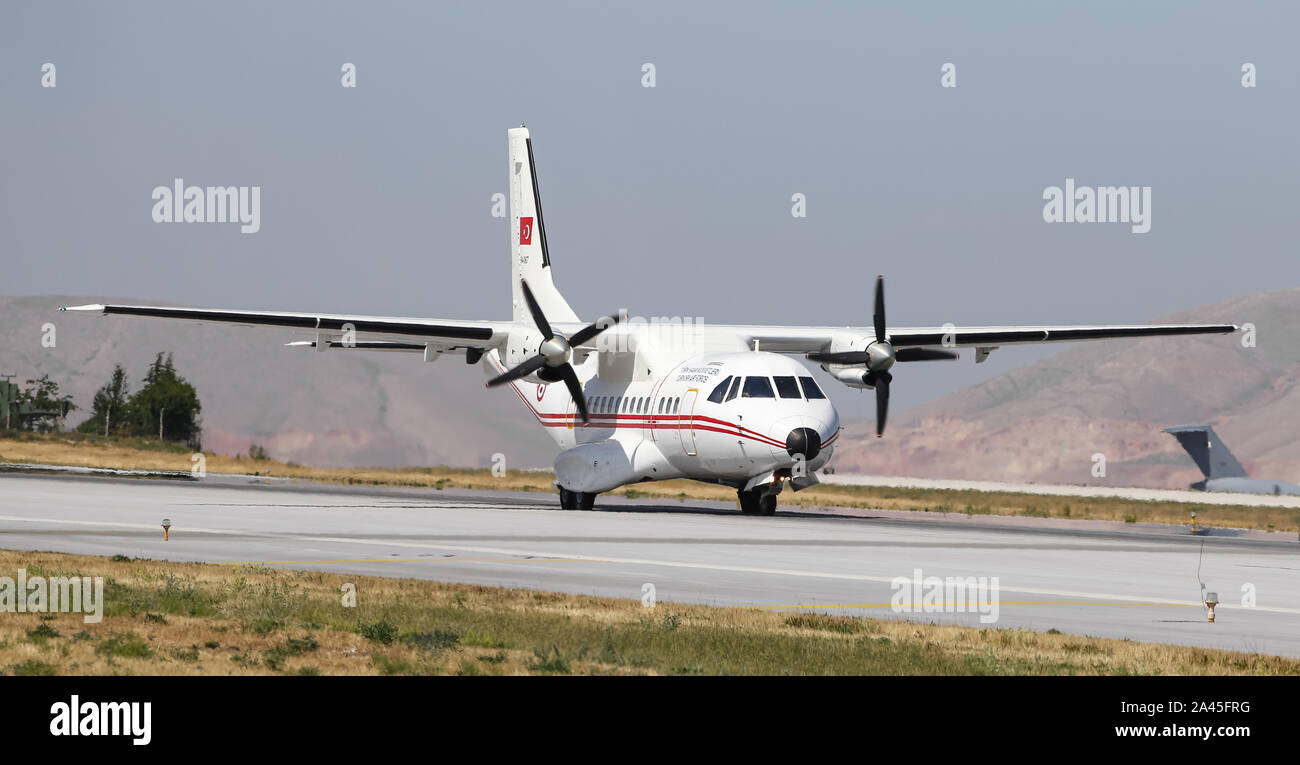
<point x="757" y="502"/>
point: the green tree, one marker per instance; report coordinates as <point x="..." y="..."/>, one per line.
<point x="109" y="412"/>
<point x="167" y="405"/>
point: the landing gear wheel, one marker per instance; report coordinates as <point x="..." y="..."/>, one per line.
<point x="577" y="500"/>
<point x="757" y="502"/>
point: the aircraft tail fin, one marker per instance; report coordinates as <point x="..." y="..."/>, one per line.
<point x="529" y="257"/>
<point x="1209" y="453"/>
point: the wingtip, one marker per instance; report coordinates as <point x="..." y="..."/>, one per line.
<point x="91" y="307"/>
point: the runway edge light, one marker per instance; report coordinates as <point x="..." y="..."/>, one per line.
<point x="167" y="525"/>
<point x="1211" y="600"/>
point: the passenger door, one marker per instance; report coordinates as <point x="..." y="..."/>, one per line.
<point x="686" y="422"/>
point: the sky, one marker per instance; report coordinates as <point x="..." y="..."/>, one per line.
<point x="672" y="200"/>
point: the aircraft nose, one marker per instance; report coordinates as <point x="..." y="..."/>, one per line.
<point x="804" y="441"/>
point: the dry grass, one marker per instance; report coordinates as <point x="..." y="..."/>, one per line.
<point x="203" y="619"/>
<point x="79" y="449"/>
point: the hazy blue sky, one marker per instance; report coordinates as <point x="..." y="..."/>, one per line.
<point x="667" y="201"/>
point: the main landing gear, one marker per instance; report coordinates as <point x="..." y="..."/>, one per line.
<point x="757" y="502"/>
<point x="577" y="500"/>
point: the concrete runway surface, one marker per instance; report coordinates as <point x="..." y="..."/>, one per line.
<point x="1075" y="576"/>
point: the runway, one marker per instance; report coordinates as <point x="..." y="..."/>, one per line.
<point x="1076" y="577"/>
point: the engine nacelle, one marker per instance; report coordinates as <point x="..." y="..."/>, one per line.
<point x="521" y="347"/>
<point x="850" y="376"/>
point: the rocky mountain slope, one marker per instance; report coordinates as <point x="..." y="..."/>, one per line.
<point x="1045" y="421"/>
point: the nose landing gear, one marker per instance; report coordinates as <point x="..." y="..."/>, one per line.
<point x="759" y="501"/>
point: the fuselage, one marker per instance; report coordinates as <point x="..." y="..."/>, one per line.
<point x="725" y="417"/>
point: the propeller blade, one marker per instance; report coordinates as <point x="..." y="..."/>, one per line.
<point x="539" y="318"/>
<point x="523" y="370"/>
<point x="924" y="354"/>
<point x="590" y="331"/>
<point x="882" y="401"/>
<point x="878" y="317"/>
<point x="570" y="378"/>
<point x="848" y="357"/>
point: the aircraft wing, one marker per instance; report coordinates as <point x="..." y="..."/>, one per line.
<point x="993" y="336"/>
<point x="381" y="332"/>
<point x="819" y="339"/>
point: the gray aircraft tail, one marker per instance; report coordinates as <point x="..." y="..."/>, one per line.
<point x="1209" y="453"/>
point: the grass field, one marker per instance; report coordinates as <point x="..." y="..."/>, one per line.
<point x="92" y="451"/>
<point x="207" y="619"/>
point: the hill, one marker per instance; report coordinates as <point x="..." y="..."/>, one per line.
<point x="1044" y="422"/>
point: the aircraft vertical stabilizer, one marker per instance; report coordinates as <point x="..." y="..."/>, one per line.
<point x="1209" y="453"/>
<point x="529" y="257"/>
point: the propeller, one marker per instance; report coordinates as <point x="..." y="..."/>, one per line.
<point x="554" y="354"/>
<point x="879" y="356"/>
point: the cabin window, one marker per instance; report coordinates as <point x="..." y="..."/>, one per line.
<point x="786" y="387"/>
<point x="735" y="388"/>
<point x="757" y="387"/>
<point x="720" y="392"/>
<point x="810" y="389"/>
<point x="677" y="403"/>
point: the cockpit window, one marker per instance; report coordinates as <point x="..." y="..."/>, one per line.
<point x="757" y="387"/>
<point x="720" y="392"/>
<point x="810" y="389"/>
<point x="786" y="387"/>
<point x="735" y="388"/>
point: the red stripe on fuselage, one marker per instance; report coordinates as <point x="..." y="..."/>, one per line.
<point x="646" y="421"/>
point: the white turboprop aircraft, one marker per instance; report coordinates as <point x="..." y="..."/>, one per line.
<point x="647" y="402"/>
